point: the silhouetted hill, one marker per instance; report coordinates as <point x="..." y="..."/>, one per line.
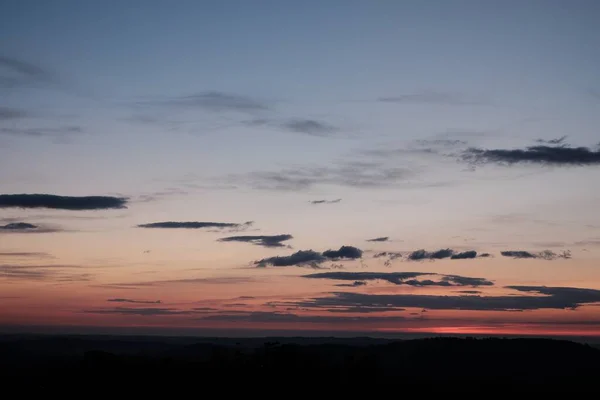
<point x="150" y="364"/>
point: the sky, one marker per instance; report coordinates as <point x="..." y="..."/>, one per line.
<point x="239" y="167"/>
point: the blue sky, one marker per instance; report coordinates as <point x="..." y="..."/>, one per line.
<point x="236" y="111"/>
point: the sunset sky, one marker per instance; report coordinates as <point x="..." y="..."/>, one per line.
<point x="377" y="166"/>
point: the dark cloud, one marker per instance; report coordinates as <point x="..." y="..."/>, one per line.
<point x="389" y="255"/>
<point x="325" y="201"/>
<point x="545" y="255"/>
<point x="379" y="239"/>
<point x="7" y="113"/>
<point x="561" y="155"/>
<point x="32" y="254"/>
<point x="311" y="258"/>
<point x="15" y="72"/>
<point x="273" y="316"/>
<point x="349" y="252"/>
<point x="260" y="240"/>
<point x="464" y="255"/>
<point x="219" y="102"/>
<point x="61" y="202"/>
<point x="120" y="300"/>
<point x="299" y="258"/>
<point x="148" y="311"/>
<point x="469" y="291"/>
<point x="538" y="297"/>
<point x="309" y="127"/>
<point x="194" y="225"/>
<point x="19" y="226"/>
<point x="556" y="141"/>
<point x="353" y="284"/>
<point x="426" y="255"/>
<point x="431" y="97"/>
<point x="403" y="278"/>
<point x="24" y="227"/>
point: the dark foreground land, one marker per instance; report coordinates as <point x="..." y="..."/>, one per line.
<point x="90" y="365"/>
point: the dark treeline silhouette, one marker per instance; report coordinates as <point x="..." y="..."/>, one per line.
<point x="147" y="364"/>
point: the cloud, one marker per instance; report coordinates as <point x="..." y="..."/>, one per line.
<point x="348" y="252"/>
<point x="556" y="141"/>
<point x="310" y="257"/>
<point x="33" y="254"/>
<point x="425" y="255"/>
<point x="215" y="101"/>
<point x="222" y="280"/>
<point x="61" y="202"/>
<point x="194" y="225"/>
<point x="309" y="127"/>
<point x="49" y="272"/>
<point x="544" y="298"/>
<point x="545" y="255"/>
<point x="260" y="240"/>
<point x="149" y="311"/>
<point x="24" y="227"/>
<point x="390" y="255"/>
<point x="120" y="300"/>
<point x="15" y="72"/>
<point x="325" y="201"/>
<point x="41" y="132"/>
<point x="7" y="113"/>
<point x="353" y="284"/>
<point x="349" y="174"/>
<point x="379" y="239"/>
<point x="18" y="226"/>
<point x="299" y="258"/>
<point x="464" y="255"/>
<point x="561" y="155"/>
<point x="273" y="316"/>
<point x="469" y="291"/>
<point x="432" y="97"/>
<point x="403" y="278"/>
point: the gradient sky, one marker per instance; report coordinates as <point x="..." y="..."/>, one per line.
<point x="422" y="117"/>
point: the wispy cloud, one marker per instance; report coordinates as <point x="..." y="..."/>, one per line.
<point x="403" y="278"/>
<point x="325" y="201"/>
<point x="545" y="255"/>
<point x="41" y="272"/>
<point x="309" y="127"/>
<point x="538" y="297"/>
<point x="24" y="227"/>
<point x="433" y="98"/>
<point x="222" y="280"/>
<point x="349" y="174"/>
<point x="273" y="316"/>
<point x="555" y="141"/>
<point x="194" y="225"/>
<point x="60" y="132"/>
<point x="121" y="300"/>
<point x="147" y="311"/>
<point x="561" y="155"/>
<point x="8" y="113"/>
<point x="379" y="239"/>
<point x="260" y="240"/>
<point x="61" y="202"/>
<point x="215" y="101"/>
<point x="15" y="73"/>
<point x="311" y="258"/>
<point x="26" y="254"/>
